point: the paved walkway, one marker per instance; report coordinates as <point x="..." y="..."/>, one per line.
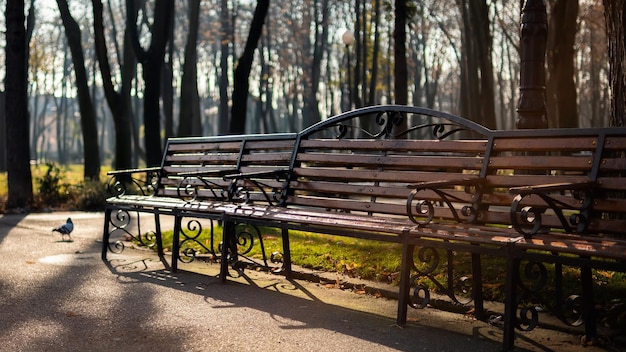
<point x="59" y="296"/>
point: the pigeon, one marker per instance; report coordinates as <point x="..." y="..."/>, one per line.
<point x="65" y="229"/>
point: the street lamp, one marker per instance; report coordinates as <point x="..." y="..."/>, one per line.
<point x="348" y="39"/>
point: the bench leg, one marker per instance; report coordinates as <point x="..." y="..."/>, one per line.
<point x="286" y="253"/>
<point x="105" y="233"/>
<point x="159" y="238"/>
<point x="228" y="233"/>
<point x="510" y="302"/>
<point x="589" y="311"/>
<point x="405" y="285"/>
<point x="477" y="287"/>
<point x="176" y="242"/>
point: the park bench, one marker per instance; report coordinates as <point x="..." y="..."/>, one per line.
<point x="192" y="170"/>
<point x="416" y="177"/>
<point x="556" y="196"/>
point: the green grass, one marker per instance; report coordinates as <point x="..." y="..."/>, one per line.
<point x="61" y="187"/>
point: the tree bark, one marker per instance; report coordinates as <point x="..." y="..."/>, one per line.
<point x="226" y="39"/>
<point x="189" y="122"/>
<point x="242" y="72"/>
<point x="614" y="12"/>
<point x="562" y="106"/>
<point x="477" y="86"/>
<point x="399" y="53"/>
<point x="91" y="150"/>
<point x="152" y="63"/>
<point x="118" y="102"/>
<point x="18" y="155"/>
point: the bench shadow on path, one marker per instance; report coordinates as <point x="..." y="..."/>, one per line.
<point x="270" y="296"/>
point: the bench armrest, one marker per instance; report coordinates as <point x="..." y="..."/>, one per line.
<point x="448" y="183"/>
<point x="553" y="187"/>
<point x="421" y="211"/>
<point x="121" y="181"/>
<point x="527" y="219"/>
<point x="256" y="178"/>
<point x="133" y="171"/>
<point x="208" y="173"/>
<point x="278" y="174"/>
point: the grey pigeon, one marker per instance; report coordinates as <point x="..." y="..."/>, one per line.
<point x="65" y="229"/>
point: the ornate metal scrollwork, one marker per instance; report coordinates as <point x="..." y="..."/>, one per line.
<point x="118" y="184"/>
<point x="190" y="235"/>
<point x="536" y="275"/>
<point x="120" y="222"/>
<point x="422" y="211"/>
<point x="527" y="220"/>
<point x="188" y="188"/>
<point x="246" y="237"/>
<point x="387" y="123"/>
<point x="531" y="285"/>
<point x="458" y="290"/>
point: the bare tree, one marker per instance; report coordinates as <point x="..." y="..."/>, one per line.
<point x="18" y="155"/>
<point x="477" y="90"/>
<point x="189" y="122"/>
<point x="614" y="12"/>
<point x="152" y="63"/>
<point x="225" y="40"/>
<point x="399" y="53"/>
<point x="119" y="102"/>
<point x="242" y="71"/>
<point x="91" y="152"/>
<point x="560" y="88"/>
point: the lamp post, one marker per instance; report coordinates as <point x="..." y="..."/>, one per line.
<point x="348" y="39"/>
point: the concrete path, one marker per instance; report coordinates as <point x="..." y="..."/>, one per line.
<point x="59" y="296"/>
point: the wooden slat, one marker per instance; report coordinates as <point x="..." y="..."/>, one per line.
<point x="413" y="146"/>
<point x="547" y="143"/>
<point x="542" y="162"/>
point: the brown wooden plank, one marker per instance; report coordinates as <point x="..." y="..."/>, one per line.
<point x="583" y="163"/>
<point x="546" y="143"/>
<point x="423" y="162"/>
<point x="414" y="146"/>
<point x="615" y="143"/>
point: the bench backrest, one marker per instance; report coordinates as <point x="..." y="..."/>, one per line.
<point x="363" y="161"/>
<point x="584" y="168"/>
<point x="198" y="168"/>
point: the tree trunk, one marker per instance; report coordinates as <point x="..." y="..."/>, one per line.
<point x="311" y="113"/>
<point x="226" y="39"/>
<point x="119" y="103"/>
<point x="3" y="134"/>
<point x="614" y="12"/>
<point x="371" y="100"/>
<point x="477" y="82"/>
<point x="91" y="150"/>
<point x="18" y="155"/>
<point x="152" y="63"/>
<point x="189" y="122"/>
<point x="562" y="106"/>
<point x="400" y="71"/>
<point x="242" y="72"/>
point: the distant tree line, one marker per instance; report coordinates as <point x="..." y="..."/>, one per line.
<point x="107" y="83"/>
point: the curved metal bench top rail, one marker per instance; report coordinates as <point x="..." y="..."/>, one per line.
<point x="454" y="120"/>
<point x="229" y="138"/>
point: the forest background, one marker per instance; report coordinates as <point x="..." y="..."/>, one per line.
<point x="107" y="83"/>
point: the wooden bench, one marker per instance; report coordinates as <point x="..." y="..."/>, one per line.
<point x="193" y="170"/>
<point x="419" y="177"/>
<point x="557" y="196"/>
